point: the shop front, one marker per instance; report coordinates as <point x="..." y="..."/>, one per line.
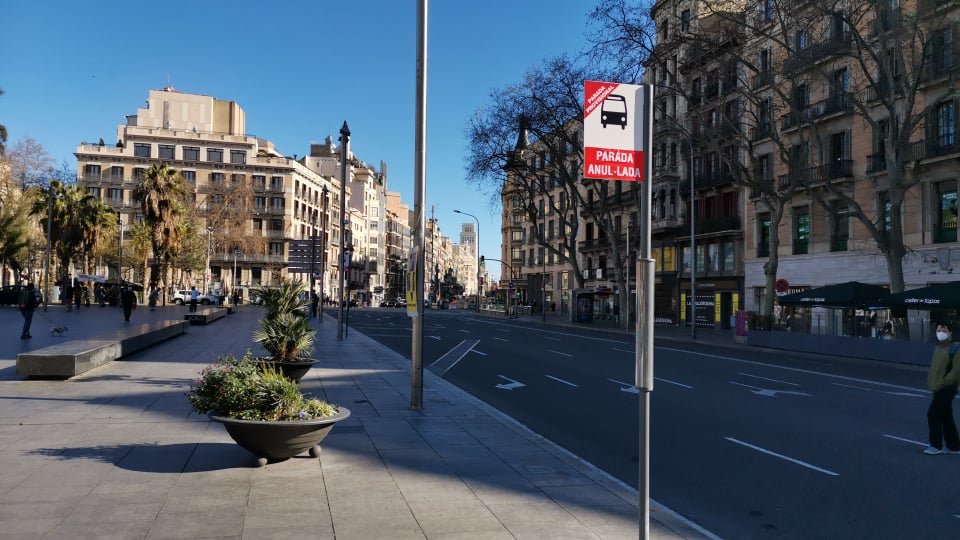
<point x="717" y="301"/>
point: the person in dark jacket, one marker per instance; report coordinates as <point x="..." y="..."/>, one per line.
<point x="27" y="303"/>
<point x="942" y="380"/>
<point x="127" y="300"/>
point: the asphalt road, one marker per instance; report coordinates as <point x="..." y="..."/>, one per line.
<point x="747" y="443"/>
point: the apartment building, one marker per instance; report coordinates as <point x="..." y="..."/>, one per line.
<point x="397" y="246"/>
<point x="248" y="198"/>
<point x="698" y="114"/>
<point x="861" y="98"/>
<point x="468" y="259"/>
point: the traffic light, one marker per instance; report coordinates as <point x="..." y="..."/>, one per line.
<point x="481" y="260"/>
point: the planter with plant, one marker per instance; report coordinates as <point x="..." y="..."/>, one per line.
<point x="285" y="330"/>
<point x="263" y="411"/>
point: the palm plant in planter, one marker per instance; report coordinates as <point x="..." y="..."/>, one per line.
<point x="285" y="330"/>
<point x="263" y="411"/>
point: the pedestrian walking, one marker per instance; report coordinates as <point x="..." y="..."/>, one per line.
<point x="154" y="293"/>
<point x="314" y="300"/>
<point x="28" y="303"/>
<point x="66" y="294"/>
<point x="194" y="296"/>
<point x="77" y="296"/>
<point x="128" y="300"/>
<point x="942" y="379"/>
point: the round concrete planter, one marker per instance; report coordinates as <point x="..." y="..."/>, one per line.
<point x="291" y="370"/>
<point x="277" y="441"/>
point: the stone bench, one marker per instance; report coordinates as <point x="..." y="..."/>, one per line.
<point x="205" y="316"/>
<point x="65" y="360"/>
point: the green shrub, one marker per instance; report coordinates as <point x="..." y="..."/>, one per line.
<point x="245" y="389"/>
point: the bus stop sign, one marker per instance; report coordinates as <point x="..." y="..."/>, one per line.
<point x="613" y="131"/>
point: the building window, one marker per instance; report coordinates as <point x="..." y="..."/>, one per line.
<point x="947" y="218"/>
<point x="166" y="151"/>
<point x="138" y="173"/>
<point x="215" y="155"/>
<point x="276" y="249"/>
<point x="840" y="229"/>
<point x="713" y="257"/>
<point x="276" y="183"/>
<point x="685" y="20"/>
<point x="258" y="225"/>
<point x="115" y="195"/>
<point x="189" y="176"/>
<point x="516" y="236"/>
<point x="946" y="124"/>
<point x="276" y="225"/>
<point x="259" y="181"/>
<point x="801" y="231"/>
<point x="191" y="153"/>
<point x="276" y="203"/>
<point x="763" y="235"/>
<point x="94" y="192"/>
<point x="238" y="157"/>
<point x="217" y="178"/>
<point x="141" y="150"/>
<point x="116" y="172"/>
<point x="92" y="171"/>
<point x="259" y="203"/>
<point x="802" y="40"/>
<point x="727" y="257"/>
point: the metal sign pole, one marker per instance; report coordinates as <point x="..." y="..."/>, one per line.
<point x="344" y="154"/>
<point x="644" y="330"/>
<point x="419" y="178"/>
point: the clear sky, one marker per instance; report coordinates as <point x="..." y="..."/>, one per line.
<point x="72" y="70"/>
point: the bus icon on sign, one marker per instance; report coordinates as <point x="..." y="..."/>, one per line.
<point x="614" y="111"/>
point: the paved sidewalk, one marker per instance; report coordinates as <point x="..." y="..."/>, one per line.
<point x="116" y="453"/>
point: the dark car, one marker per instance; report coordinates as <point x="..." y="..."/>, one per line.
<point x="354" y="303"/>
<point x="10" y="295"/>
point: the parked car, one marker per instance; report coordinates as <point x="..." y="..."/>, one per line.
<point x="389" y="303"/>
<point x="10" y="295"/>
<point x="182" y="296"/>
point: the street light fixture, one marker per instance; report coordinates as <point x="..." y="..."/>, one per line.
<point x="209" y="275"/>
<point x="477" y="241"/>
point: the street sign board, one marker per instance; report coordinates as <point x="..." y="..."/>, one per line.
<point x="613" y="131"/>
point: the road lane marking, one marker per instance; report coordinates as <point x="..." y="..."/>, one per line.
<point x="386" y="335"/>
<point x="465" y="331"/>
<point x="452" y="351"/>
<point x="661" y="379"/>
<point x="558" y="352"/>
<point x="797" y="370"/>
<point x="918" y="443"/>
<point x="768" y="392"/>
<point x="908" y="394"/>
<point x="500" y="339"/>
<point x="766" y="379"/>
<point x="781" y="456"/>
<point x="623" y="350"/>
<point x="552" y="338"/>
<point x="512" y="385"/>
<point x="561" y="380"/>
<point x="532" y="329"/>
<point x="629" y="388"/>
<point x="478" y="352"/>
<point x="434" y="337"/>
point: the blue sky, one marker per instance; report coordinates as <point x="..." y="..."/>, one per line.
<point x="72" y="71"/>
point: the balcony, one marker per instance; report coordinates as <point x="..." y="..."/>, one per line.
<point x="943" y="146"/>
<point x="883" y="90"/>
<point x="761" y="79"/>
<point x="832" y="46"/>
<point x="715" y="225"/>
<point x="763" y="131"/>
<point x="665" y="225"/>
<point x="928" y="7"/>
<point x="812" y="176"/>
<point x="943" y="64"/>
<point x="839" y="103"/>
<point x="666" y="172"/>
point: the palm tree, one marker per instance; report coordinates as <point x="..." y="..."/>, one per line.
<point x="77" y="220"/>
<point x="160" y="193"/>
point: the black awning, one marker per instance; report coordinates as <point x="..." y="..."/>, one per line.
<point x="937" y="296"/>
<point x="852" y="294"/>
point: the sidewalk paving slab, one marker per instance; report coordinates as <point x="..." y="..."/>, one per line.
<point x="116" y="453"/>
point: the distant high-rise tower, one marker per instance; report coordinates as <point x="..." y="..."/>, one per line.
<point x="468" y="234"/>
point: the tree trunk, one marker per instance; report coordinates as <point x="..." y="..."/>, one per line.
<point x="772" y="265"/>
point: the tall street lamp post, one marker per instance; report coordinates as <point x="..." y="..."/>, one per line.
<point x="344" y="154"/>
<point x="323" y="249"/>
<point x="209" y="275"/>
<point x="236" y="282"/>
<point x="478" y="254"/>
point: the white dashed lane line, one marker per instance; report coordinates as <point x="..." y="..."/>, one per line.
<point x="561" y="380"/>
<point x="783" y="457"/>
<point x="560" y="353"/>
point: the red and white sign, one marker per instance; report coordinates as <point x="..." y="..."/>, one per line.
<point x="613" y="125"/>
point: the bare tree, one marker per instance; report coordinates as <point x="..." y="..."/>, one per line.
<point x="30" y="163"/>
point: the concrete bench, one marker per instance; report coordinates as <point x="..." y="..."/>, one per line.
<point x="65" y="360"/>
<point x="205" y="316"/>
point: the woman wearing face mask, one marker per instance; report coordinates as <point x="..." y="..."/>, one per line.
<point x="942" y="379"/>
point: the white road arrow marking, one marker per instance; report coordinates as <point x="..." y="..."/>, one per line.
<point x="768" y="392"/>
<point x="511" y="386"/>
<point x="628" y="388"/>
<point x="560" y="380"/>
